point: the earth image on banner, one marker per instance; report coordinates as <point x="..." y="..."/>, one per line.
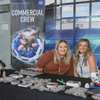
<point x="27" y="46"/>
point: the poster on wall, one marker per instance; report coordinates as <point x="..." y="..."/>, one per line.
<point x="27" y="32"/>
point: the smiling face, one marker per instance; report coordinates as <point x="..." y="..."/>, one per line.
<point x="23" y="41"/>
<point x="83" y="47"/>
<point x="20" y="47"/>
<point x="62" y="48"/>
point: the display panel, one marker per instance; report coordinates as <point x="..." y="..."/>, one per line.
<point x="81" y="20"/>
<point x="67" y="11"/>
<point x="67" y="1"/>
<point x="82" y="23"/>
<point x="27" y="38"/>
<point x="82" y="9"/>
<point x="67" y="24"/>
<point x="95" y="23"/>
<point x="95" y="8"/>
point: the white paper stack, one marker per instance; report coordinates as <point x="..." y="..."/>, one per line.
<point x="73" y="83"/>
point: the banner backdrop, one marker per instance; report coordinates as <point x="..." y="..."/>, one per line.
<point x="27" y="32"/>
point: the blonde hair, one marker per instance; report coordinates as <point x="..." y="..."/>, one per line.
<point x="87" y="53"/>
<point x="57" y="56"/>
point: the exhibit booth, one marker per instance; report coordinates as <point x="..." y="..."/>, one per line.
<point x="48" y="21"/>
<point x="30" y="28"/>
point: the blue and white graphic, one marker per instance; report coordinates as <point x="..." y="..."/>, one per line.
<point x="40" y="2"/>
<point x="85" y="26"/>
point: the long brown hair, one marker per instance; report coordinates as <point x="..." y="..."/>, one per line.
<point x="87" y="53"/>
<point x="57" y="57"/>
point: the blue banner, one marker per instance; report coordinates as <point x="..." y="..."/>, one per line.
<point x="27" y="32"/>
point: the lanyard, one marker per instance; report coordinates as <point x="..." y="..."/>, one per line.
<point x="81" y="68"/>
<point x="81" y="62"/>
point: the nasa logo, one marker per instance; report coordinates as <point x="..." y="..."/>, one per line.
<point x="40" y="2"/>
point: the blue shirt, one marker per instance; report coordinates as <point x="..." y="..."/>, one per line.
<point x="30" y="53"/>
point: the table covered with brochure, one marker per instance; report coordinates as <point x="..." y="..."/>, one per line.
<point x="40" y="86"/>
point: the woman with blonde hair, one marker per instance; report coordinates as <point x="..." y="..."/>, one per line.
<point x="84" y="60"/>
<point x="57" y="61"/>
